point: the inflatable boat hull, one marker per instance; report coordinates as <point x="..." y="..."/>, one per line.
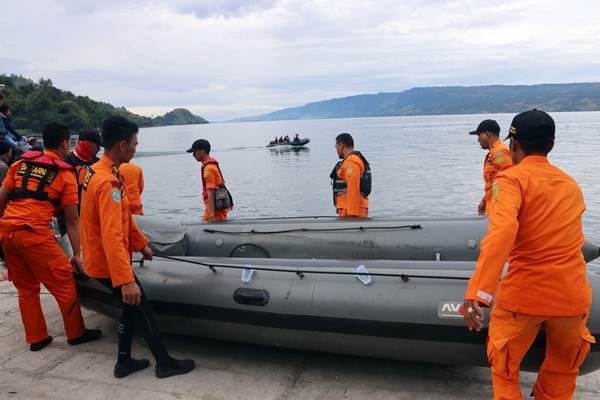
<point x="414" y="317"/>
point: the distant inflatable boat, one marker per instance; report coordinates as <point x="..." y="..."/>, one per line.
<point x="397" y="294"/>
<point x="292" y="143"/>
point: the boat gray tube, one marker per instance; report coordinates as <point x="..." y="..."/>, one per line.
<point x="399" y="309"/>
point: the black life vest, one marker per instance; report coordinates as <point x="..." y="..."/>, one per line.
<point x="40" y="168"/>
<point x="340" y="187"/>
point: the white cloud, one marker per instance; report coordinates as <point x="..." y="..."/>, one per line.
<point x="232" y="58"/>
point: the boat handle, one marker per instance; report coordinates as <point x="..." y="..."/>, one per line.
<point x="251" y="297"/>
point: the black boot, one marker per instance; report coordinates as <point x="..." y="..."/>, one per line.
<point x="37" y="346"/>
<point x="174" y="367"/>
<point x="88" y="336"/>
<point x="124" y="368"/>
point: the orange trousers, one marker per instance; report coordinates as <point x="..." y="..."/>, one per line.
<point x="568" y="343"/>
<point x="32" y="258"/>
<point x="362" y="213"/>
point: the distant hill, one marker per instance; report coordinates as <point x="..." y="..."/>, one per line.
<point x="449" y="100"/>
<point x="35" y="104"/>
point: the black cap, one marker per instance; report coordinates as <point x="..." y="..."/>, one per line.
<point x="487" y="125"/>
<point x="199" y="144"/>
<point x="91" y="136"/>
<point x="5" y="147"/>
<point x="530" y="125"/>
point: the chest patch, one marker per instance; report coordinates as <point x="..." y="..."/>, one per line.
<point x="116" y="195"/>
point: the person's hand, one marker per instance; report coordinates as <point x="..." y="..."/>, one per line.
<point x="147" y="253"/>
<point x="77" y="264"/>
<point x="132" y="294"/>
<point x="473" y="315"/>
<point x="481" y="208"/>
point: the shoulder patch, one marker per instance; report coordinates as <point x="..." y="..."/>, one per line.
<point x="116" y="195"/>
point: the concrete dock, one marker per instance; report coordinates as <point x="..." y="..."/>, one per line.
<point x="224" y="370"/>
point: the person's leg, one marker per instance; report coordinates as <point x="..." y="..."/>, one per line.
<point x="568" y="343"/>
<point x="52" y="267"/>
<point x="510" y="337"/>
<point x="125" y="364"/>
<point x="28" y="287"/>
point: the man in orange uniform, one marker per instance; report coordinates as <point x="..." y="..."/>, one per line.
<point x="351" y="180"/>
<point x="497" y="159"/>
<point x="535" y="224"/>
<point x="109" y="235"/>
<point x="211" y="180"/>
<point x="134" y="183"/>
<point x="34" y="190"/>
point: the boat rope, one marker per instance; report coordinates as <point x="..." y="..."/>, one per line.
<point x="301" y="272"/>
<point x="354" y="228"/>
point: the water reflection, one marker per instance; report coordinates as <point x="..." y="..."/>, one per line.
<point x="279" y="150"/>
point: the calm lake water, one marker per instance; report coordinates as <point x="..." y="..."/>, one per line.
<point x="422" y="166"/>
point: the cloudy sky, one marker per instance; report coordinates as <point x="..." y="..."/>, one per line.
<point x="232" y="58"/>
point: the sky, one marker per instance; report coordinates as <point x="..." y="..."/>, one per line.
<point x="231" y="58"/>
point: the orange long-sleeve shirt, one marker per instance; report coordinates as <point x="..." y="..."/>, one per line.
<point x="134" y="183"/>
<point x="497" y="159"/>
<point x="535" y="225"/>
<point x="353" y="203"/>
<point x="108" y="231"/>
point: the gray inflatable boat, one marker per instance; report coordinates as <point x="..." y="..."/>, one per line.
<point x="407" y="309"/>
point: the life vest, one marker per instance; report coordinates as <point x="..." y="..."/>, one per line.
<point x="340" y="187"/>
<point x="223" y="198"/>
<point x="40" y="168"/>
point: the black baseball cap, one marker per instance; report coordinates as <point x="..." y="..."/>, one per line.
<point x="530" y="125"/>
<point x="5" y="147"/>
<point x="487" y="125"/>
<point x="91" y="136"/>
<point x="200" y="144"/>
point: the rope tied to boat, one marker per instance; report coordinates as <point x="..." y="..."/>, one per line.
<point x="301" y="272"/>
<point x="354" y="228"/>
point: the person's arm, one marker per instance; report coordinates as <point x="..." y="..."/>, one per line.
<point x="3" y="199"/>
<point x="72" y="225"/>
<point x="111" y="230"/>
<point x="210" y="180"/>
<point x="497" y="243"/>
<point x="352" y="174"/>
<point x="141" y="182"/>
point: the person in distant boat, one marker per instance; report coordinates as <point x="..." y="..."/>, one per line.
<point x="212" y="181"/>
<point x="34" y="189"/>
<point x="287" y="138"/>
<point x="296" y="138"/>
<point x="351" y="179"/>
<point x="497" y="159"/>
<point x="133" y="176"/>
<point x="537" y="225"/>
<point x="109" y="235"/>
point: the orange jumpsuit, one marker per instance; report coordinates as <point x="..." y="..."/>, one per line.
<point x="212" y="179"/>
<point x="108" y="232"/>
<point x="353" y="203"/>
<point x="33" y="255"/>
<point x="134" y="183"/>
<point x="536" y="225"/>
<point x="497" y="159"/>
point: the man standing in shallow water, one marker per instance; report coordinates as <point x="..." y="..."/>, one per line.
<point x="497" y="159"/>
<point x="536" y="224"/>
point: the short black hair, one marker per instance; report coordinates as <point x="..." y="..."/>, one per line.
<point x="541" y="145"/>
<point x="345" y="139"/>
<point x="116" y="129"/>
<point x="4" y="108"/>
<point x="54" y="134"/>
